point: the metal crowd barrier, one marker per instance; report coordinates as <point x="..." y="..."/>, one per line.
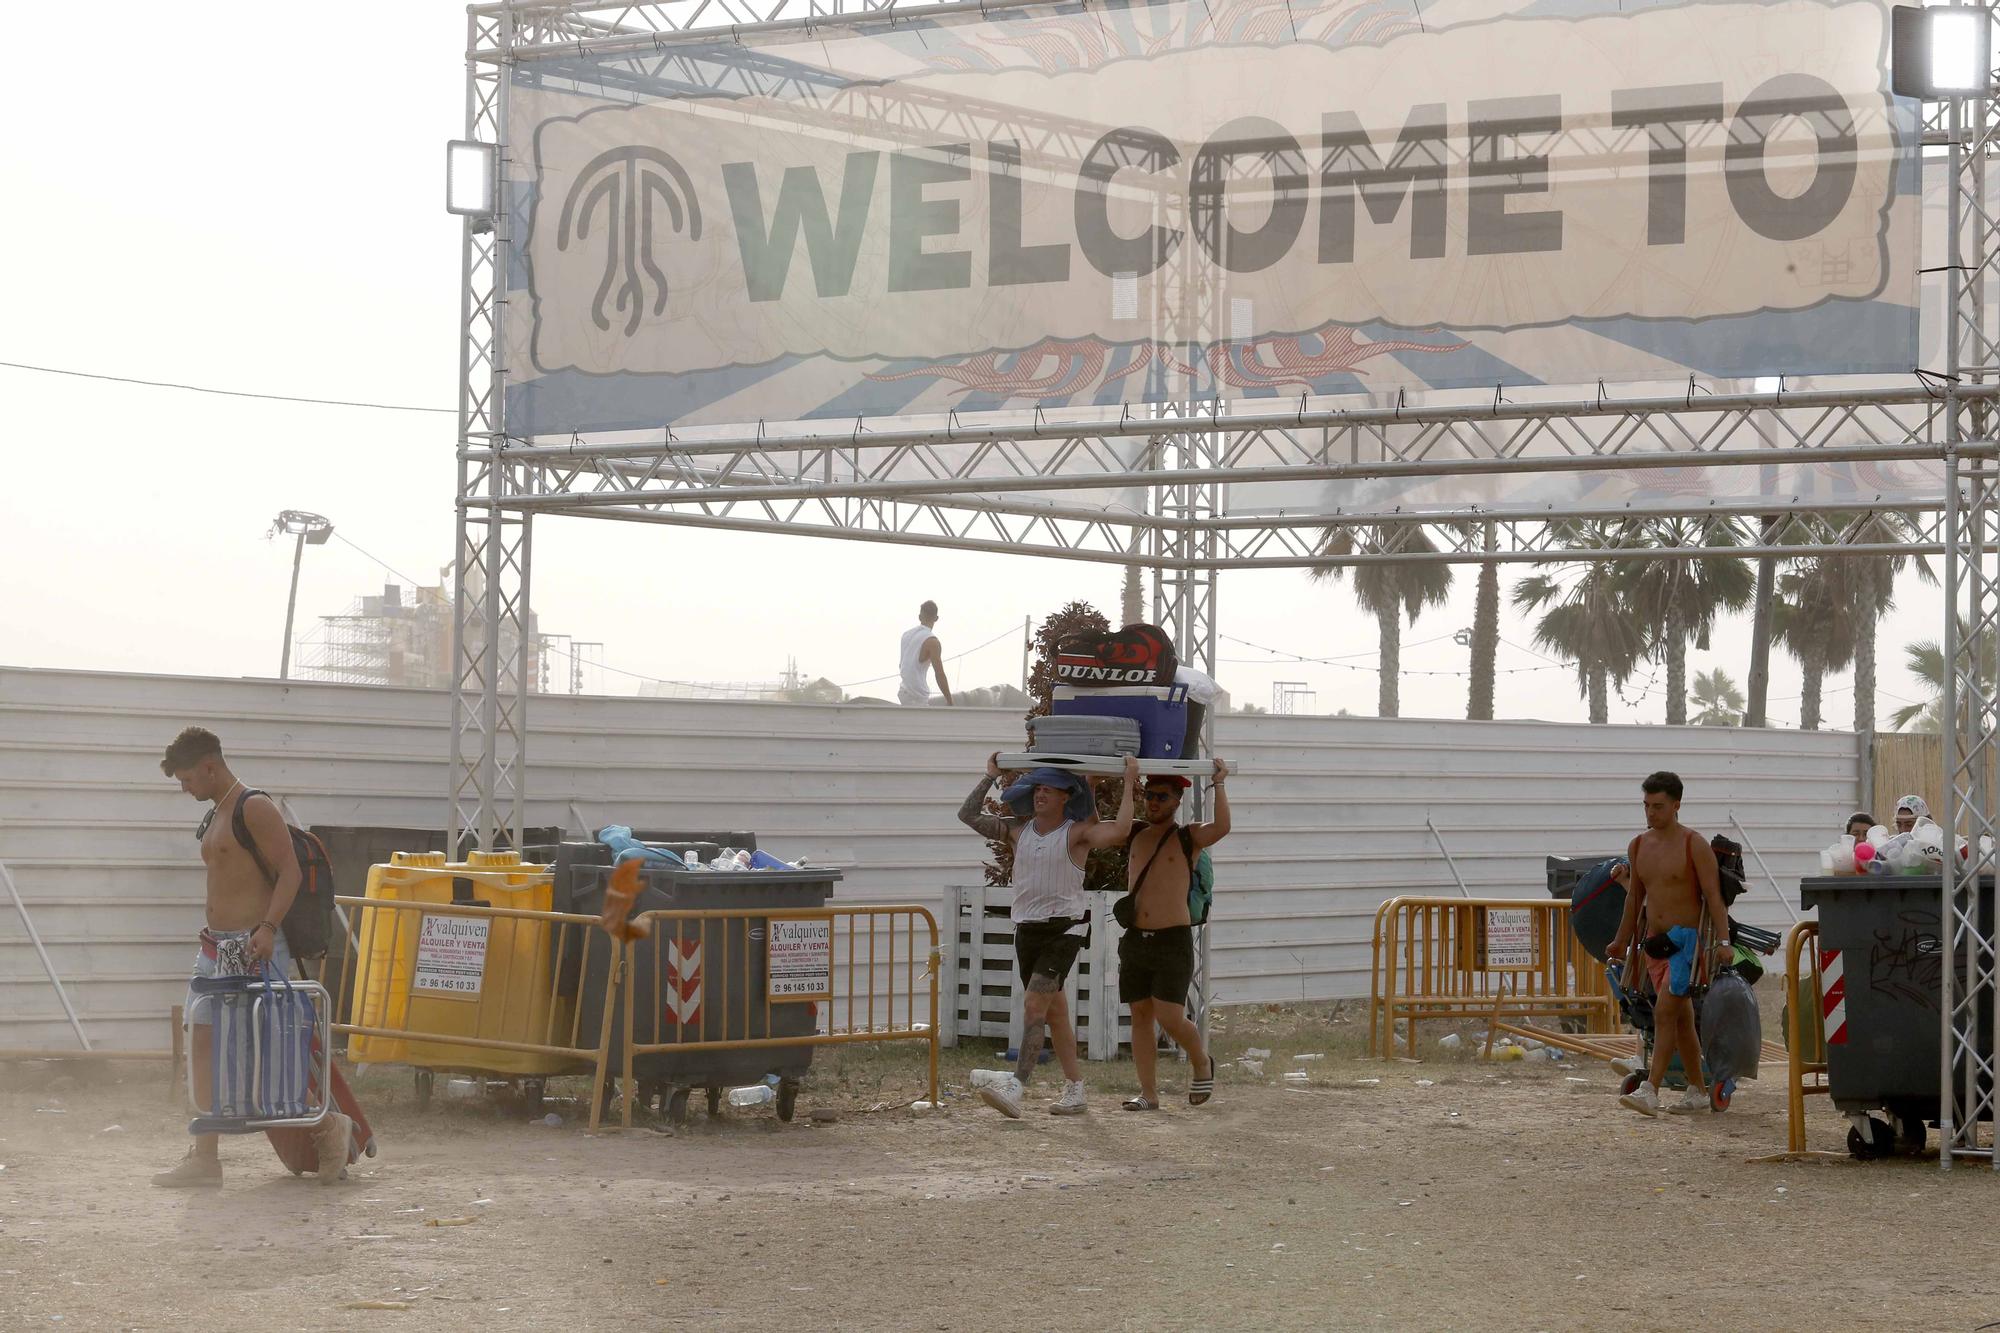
<point x="726" y="992"/>
<point x="1506" y="960"/>
<point x="454" y="986"/>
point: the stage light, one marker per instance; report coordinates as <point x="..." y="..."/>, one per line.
<point x="1941" y="51"/>
<point x="468" y="178"/>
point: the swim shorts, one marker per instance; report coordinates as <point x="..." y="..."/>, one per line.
<point x="1675" y="972"/>
<point x="1156" y="964"/>
<point x="224" y="953"/>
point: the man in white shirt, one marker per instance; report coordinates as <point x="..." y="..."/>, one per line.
<point x="1053" y="833"/>
<point x="921" y="649"/>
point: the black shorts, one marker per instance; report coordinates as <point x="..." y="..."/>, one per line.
<point x="1046" y="948"/>
<point x="1156" y="964"/>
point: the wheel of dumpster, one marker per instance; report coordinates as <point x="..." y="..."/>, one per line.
<point x="714" y="1102"/>
<point x="1719" y="1094"/>
<point x="426" y="1085"/>
<point x="1631" y="1083"/>
<point x="531" y="1092"/>
<point x="677" y="1107"/>
<point x="788" y="1097"/>
<point x="1880" y="1142"/>
<point x="1911" y="1134"/>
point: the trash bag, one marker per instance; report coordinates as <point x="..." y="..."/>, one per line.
<point x="1732" y="1031"/>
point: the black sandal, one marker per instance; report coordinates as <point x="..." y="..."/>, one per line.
<point x="1201" y="1089"/>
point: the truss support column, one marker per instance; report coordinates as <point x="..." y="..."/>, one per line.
<point x="1970" y="700"/>
<point x="491" y="649"/>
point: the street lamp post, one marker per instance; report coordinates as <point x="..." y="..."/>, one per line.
<point x="308" y="528"/>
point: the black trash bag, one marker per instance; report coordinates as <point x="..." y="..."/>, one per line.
<point x="1732" y="1031"/>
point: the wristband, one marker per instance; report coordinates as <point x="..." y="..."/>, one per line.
<point x="262" y="925"/>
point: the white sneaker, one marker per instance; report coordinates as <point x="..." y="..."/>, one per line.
<point x="982" y="1077"/>
<point x="1627" y="1065"/>
<point x="1645" y="1099"/>
<point x="1004" y="1096"/>
<point x="1690" y="1102"/>
<point x="1072" y="1101"/>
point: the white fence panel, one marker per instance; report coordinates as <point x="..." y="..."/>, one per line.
<point x="1330" y="813"/>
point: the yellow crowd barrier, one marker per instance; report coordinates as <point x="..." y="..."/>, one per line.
<point x="712" y="998"/>
<point x="721" y="997"/>
<point x="1507" y="960"/>
<point x="1805" y="1030"/>
<point x="443" y="985"/>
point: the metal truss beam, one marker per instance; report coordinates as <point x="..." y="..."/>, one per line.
<point x="1969" y="976"/>
<point x="1523" y="541"/>
<point x="491" y="643"/>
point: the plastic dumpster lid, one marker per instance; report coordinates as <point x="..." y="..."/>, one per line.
<point x="490" y="860"/>
<point x="1817" y="888"/>
<point x="419" y="860"/>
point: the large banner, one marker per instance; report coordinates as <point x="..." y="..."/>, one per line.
<point x="1068" y="207"/>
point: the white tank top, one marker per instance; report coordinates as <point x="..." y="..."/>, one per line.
<point x="914" y="690"/>
<point x="1047" y="883"/>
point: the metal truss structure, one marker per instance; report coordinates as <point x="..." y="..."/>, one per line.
<point x="1969" y="979"/>
<point x="1149" y="486"/>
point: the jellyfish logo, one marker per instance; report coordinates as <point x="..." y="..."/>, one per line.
<point x="626" y="184"/>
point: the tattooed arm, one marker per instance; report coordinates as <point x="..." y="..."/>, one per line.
<point x="973" y="812"/>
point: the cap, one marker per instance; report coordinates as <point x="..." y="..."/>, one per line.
<point x="1170" y="779"/>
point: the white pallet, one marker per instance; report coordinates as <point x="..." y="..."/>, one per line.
<point x="1111" y="765"/>
<point x="981" y="986"/>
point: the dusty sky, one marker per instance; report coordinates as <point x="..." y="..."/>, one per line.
<point x="234" y="203"/>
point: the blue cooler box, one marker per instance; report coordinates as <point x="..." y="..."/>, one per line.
<point x="1160" y="710"/>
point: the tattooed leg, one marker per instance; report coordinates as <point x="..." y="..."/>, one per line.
<point x="1034" y="1015"/>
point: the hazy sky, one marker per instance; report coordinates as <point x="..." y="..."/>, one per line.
<point x="233" y="202"/>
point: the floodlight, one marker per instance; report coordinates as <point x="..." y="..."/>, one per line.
<point x="468" y="178"/>
<point x="1941" y="51"/>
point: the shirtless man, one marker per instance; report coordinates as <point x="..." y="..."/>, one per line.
<point x="1671" y="876"/>
<point x="1053" y="832"/>
<point x="1156" y="956"/>
<point x="242" y="934"/>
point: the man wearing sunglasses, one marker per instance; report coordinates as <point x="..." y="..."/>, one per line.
<point x="1053" y="831"/>
<point x="1156" y="954"/>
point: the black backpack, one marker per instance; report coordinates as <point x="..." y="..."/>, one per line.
<point x="308" y="925"/>
<point x="1729" y="869"/>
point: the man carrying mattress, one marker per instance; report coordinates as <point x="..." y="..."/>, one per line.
<point x="1053" y="830"/>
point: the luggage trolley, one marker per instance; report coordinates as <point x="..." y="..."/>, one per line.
<point x="1635" y="1001"/>
<point x="271" y="1061"/>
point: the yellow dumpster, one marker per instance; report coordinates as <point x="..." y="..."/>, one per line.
<point x="428" y="969"/>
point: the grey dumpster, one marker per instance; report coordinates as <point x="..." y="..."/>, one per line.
<point x="731" y="967"/>
<point x="1884" y="934"/>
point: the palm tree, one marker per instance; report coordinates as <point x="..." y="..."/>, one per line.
<point x="1485" y="631"/>
<point x="1680" y="599"/>
<point x="1590" y="617"/>
<point x="1872" y="580"/>
<point x="1388" y="591"/>
<point x="1721" y="703"/>
<point x="1759" y="682"/>
<point x="1131" y="596"/>
<point x="1813" y="618"/>
<point x="1925" y="661"/>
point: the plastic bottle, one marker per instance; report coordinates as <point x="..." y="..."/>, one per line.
<point x="761" y="1094"/>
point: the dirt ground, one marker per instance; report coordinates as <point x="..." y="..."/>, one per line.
<point x="1381" y="1194"/>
